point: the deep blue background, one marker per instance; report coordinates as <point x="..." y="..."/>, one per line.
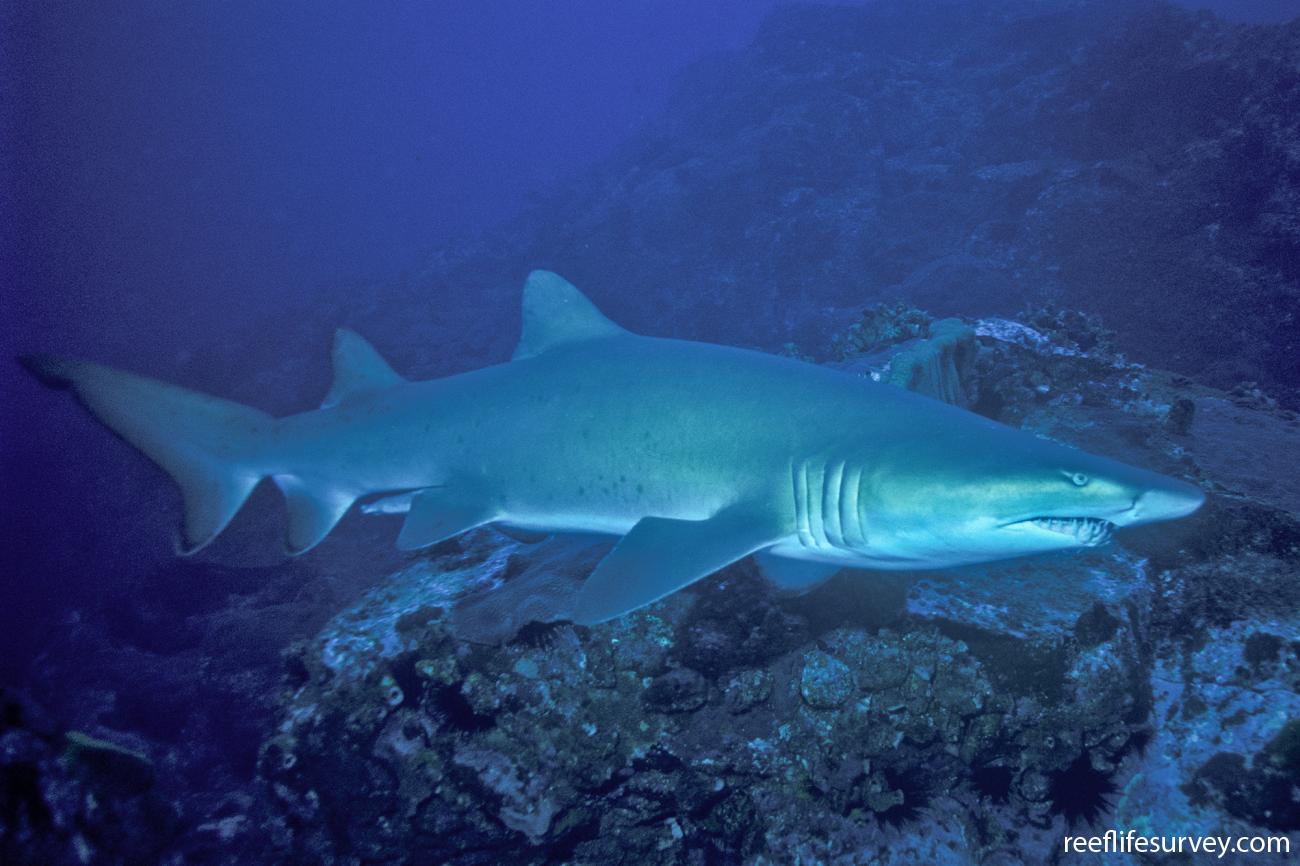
<point x="212" y="154"/>
<point x="174" y="170"/>
<point x="175" y="164"/>
<point x="171" y="171"/>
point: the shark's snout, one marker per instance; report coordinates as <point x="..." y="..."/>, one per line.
<point x="1170" y="501"/>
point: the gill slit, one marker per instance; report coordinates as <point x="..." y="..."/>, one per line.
<point x="850" y="517"/>
<point x="799" y="481"/>
<point x="825" y="493"/>
<point x="832" y="527"/>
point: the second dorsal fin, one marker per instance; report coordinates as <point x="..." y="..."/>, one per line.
<point x="358" y="369"/>
<point x="555" y="313"/>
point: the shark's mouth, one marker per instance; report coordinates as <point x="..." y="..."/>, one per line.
<point x="1088" y="531"/>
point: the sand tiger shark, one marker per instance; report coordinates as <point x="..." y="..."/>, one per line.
<point x="695" y="454"/>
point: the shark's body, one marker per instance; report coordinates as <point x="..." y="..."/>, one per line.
<point x="697" y="454"/>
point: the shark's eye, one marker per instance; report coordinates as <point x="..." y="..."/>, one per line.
<point x="1078" y="479"/>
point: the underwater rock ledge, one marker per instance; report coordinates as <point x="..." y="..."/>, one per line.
<point x="973" y="716"/>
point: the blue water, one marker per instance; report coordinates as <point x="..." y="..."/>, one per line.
<point x="179" y="178"/>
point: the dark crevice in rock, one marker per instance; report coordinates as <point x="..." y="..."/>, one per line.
<point x="993" y="782"/>
<point x="458" y="713"/>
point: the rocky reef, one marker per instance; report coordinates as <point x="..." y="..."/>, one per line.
<point x="450" y="714"/>
<point x="66" y="797"/>
<point x="973" y="716"/>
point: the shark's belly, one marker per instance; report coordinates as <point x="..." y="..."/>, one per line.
<point x="875" y="560"/>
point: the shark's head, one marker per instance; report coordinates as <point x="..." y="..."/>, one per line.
<point x="992" y="493"/>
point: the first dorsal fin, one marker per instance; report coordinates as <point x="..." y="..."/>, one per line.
<point x="358" y="369"/>
<point x="555" y="313"/>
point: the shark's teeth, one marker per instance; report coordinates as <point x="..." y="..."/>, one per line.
<point x="1088" y="531"/>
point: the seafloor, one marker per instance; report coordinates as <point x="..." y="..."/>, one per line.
<point x="973" y="716"/>
<point x="996" y="161"/>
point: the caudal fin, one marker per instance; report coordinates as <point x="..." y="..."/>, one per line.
<point x="215" y="449"/>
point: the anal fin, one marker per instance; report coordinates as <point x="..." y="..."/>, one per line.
<point x="661" y="555"/>
<point x="439" y="513"/>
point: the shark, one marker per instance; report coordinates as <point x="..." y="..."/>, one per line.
<point x="695" y="455"/>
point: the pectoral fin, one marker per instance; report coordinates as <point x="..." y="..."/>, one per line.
<point x="439" y="513"/>
<point x="793" y="575"/>
<point x="660" y="556"/>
